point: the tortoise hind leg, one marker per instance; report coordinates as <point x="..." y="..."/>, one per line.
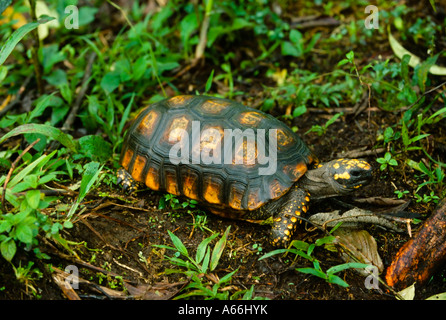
<point x="126" y="180"/>
<point x="285" y="222"/>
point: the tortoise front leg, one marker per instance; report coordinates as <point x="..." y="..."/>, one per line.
<point x="285" y="222"/>
<point x="126" y="180"/>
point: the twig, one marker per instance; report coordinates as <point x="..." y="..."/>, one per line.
<point x="70" y="119"/>
<point x="199" y="50"/>
<point x="35" y="49"/>
<point x="12" y="169"/>
<point x="425" y="93"/>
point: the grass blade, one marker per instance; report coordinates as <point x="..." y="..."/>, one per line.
<point x="47" y="130"/>
<point x="218" y="249"/>
<point x="18" y="35"/>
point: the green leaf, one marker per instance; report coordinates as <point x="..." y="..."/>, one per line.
<point x="350" y="56"/>
<point x="273" y="253"/>
<point x="33" y="198"/>
<point x="95" y="148"/>
<point x="47" y="130"/>
<point x="289" y="49"/>
<point x="187" y="26"/>
<point x="22" y="174"/>
<point x="325" y="240"/>
<point x="337" y="280"/>
<point x="209" y="82"/>
<point x="205" y="265"/>
<point x="15" y="38"/>
<point x="24" y="233"/>
<point x="313" y="272"/>
<point x="86" y="15"/>
<point x="227" y="277"/>
<point x="218" y="249"/>
<point x="345" y="266"/>
<point x="110" y="82"/>
<point x="8" y="248"/>
<point x="202" y="248"/>
<point x="178" y="244"/>
<point x="89" y="177"/>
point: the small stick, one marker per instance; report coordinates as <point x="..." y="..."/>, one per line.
<point x="71" y="117"/>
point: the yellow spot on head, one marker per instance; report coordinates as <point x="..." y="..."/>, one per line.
<point x="345" y="175"/>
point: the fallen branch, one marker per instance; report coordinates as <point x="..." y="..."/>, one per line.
<point x="419" y="258"/>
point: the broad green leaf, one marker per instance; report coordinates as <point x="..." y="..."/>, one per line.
<point x="47" y="130"/>
<point x="110" y="82"/>
<point x="95" y="148"/>
<point x="24" y="233"/>
<point x="218" y="249"/>
<point x="33" y="198"/>
<point x="18" y="35"/>
<point x="8" y="249"/>
<point x="178" y="244"/>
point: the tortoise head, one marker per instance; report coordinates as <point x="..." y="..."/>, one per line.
<point x="336" y="177"/>
<point x="348" y="174"/>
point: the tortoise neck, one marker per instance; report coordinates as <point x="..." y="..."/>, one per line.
<point x="318" y="183"/>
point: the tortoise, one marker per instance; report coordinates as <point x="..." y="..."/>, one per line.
<point x="239" y="162"/>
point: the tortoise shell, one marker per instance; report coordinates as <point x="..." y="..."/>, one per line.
<point x="216" y="151"/>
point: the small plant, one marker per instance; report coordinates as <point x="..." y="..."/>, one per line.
<point x="400" y="194"/>
<point x="386" y="161"/>
<point x="258" y="248"/>
<point x="321" y="130"/>
<point x="28" y="275"/>
<point x="171" y="201"/>
<point x="305" y="250"/>
<point x="200" y="222"/>
<point x="200" y="267"/>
